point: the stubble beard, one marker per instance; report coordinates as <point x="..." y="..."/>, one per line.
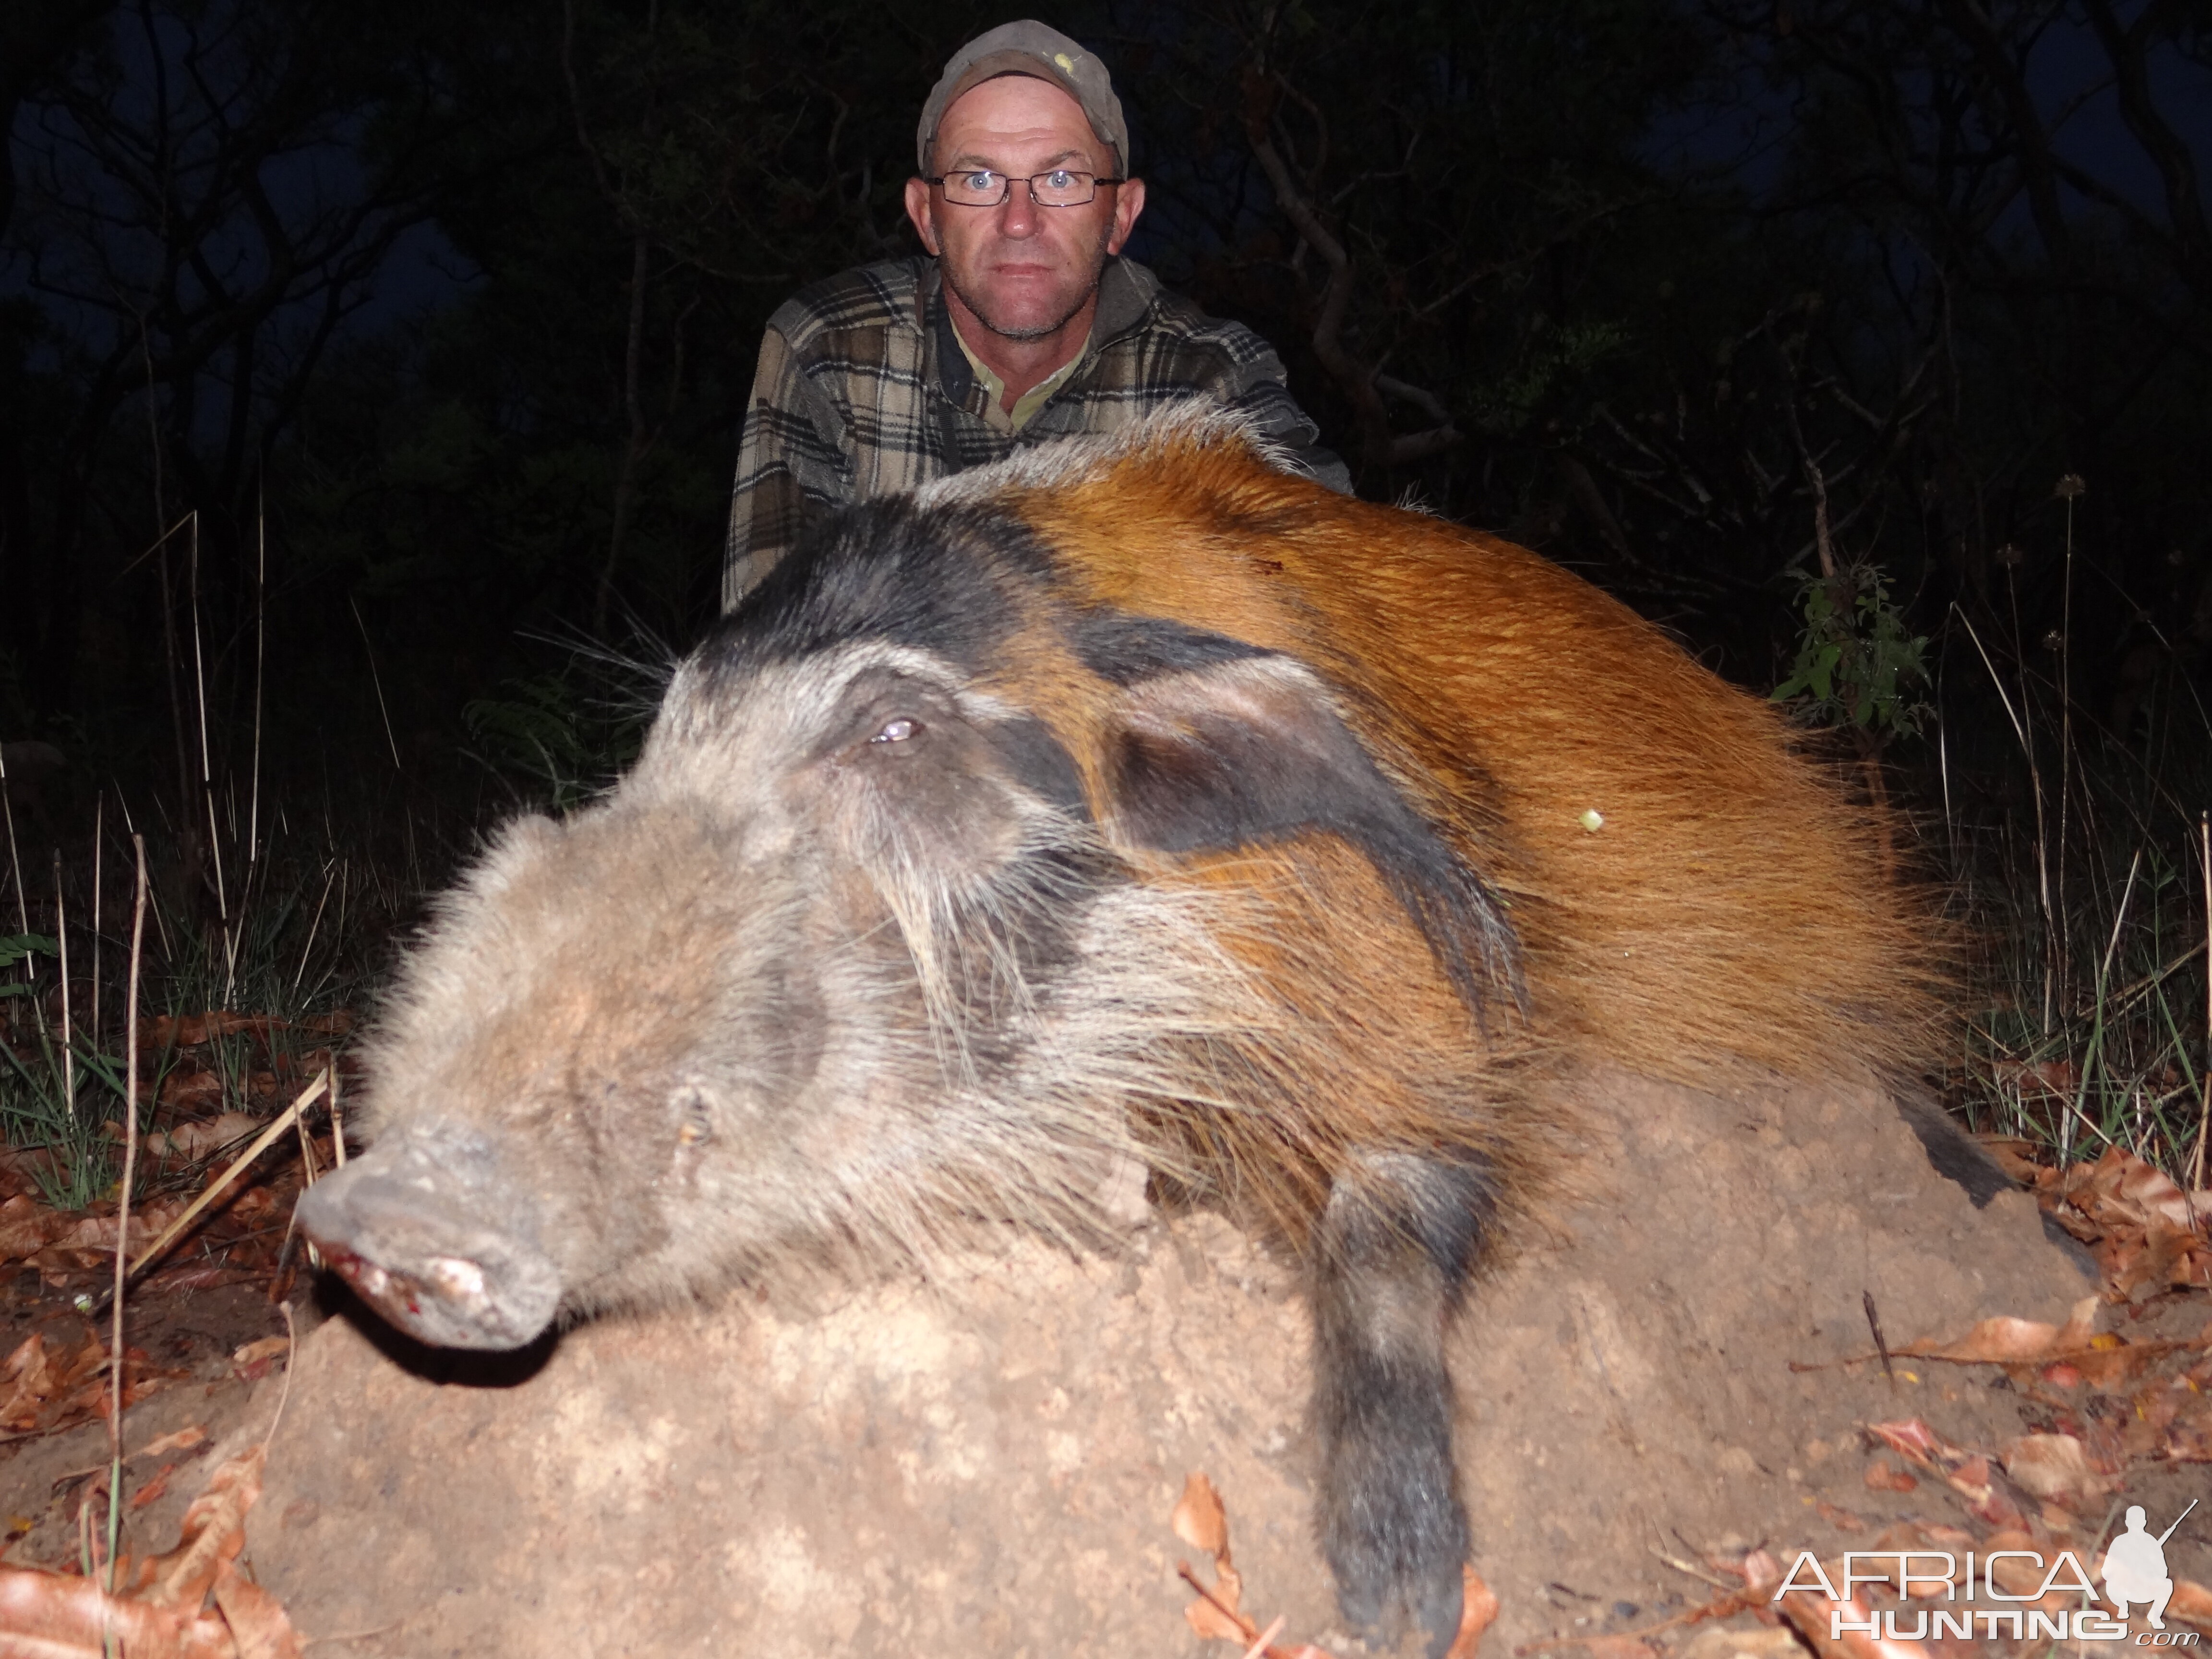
<point x="979" y="310"/>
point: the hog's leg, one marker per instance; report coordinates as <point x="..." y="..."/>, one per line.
<point x="1398" y="1239"/>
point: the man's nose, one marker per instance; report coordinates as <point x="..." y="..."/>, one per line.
<point x="1019" y="215"/>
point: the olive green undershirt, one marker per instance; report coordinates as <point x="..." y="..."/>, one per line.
<point x="999" y="418"/>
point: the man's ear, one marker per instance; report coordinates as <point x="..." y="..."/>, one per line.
<point x="1250" y="749"/>
<point x="919" y="209"/>
<point x="1129" y="202"/>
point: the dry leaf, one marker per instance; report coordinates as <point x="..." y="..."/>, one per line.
<point x="257" y="1619"/>
<point x="2052" y="1466"/>
<point x="1478" y="1612"/>
<point x="191" y="1091"/>
<point x="32" y="1378"/>
<point x="27" y="1226"/>
<point x="1212" y="1624"/>
<point x="190" y="1031"/>
<point x="183" y="1440"/>
<point x="1200" y="1520"/>
<point x="1881" y="1477"/>
<point x="213" y="1533"/>
<point x="158" y="1615"/>
<point x="1719" y="1642"/>
<point x="1911" y="1437"/>
<point x="2120" y="1185"/>
<point x="2006" y="1341"/>
<point x="1809" y="1615"/>
<point x="61" y="1616"/>
<point x="2191" y="1603"/>
<point x="200" y="1140"/>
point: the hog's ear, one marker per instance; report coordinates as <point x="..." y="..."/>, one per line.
<point x="1238" y="752"/>
<point x="516" y="845"/>
<point x="1252" y="750"/>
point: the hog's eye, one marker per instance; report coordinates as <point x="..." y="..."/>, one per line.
<point x="697" y="1125"/>
<point x="897" y="731"/>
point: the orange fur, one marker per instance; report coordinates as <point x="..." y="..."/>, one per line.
<point x="1732" y="907"/>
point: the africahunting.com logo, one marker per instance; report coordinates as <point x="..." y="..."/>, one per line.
<point x="2133" y="1573"/>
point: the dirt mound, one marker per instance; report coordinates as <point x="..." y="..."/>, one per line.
<point x="988" y="1467"/>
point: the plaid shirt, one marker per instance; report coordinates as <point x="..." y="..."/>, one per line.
<point x="863" y="389"/>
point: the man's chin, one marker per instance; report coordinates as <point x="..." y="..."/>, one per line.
<point x="1009" y="330"/>
<point x="1019" y="316"/>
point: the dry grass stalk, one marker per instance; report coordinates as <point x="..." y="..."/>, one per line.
<point x="261" y="1142"/>
<point x="2204" y="1091"/>
<point x="61" y="938"/>
<point x="123" y="1210"/>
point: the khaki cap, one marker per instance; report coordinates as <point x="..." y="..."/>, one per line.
<point x="1028" y="48"/>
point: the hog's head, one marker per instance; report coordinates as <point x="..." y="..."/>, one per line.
<point x="863" y="947"/>
<point x="762" y="999"/>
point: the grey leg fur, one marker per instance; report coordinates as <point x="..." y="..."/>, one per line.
<point x="1399" y="1236"/>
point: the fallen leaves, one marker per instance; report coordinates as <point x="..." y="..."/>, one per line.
<point x="238" y="1237"/>
<point x="61" y="1243"/>
<point x="2147" y="1234"/>
<point x="1968" y="1473"/>
<point x="158" y="1610"/>
<point x="190" y="1031"/>
<point x="1202" y="1522"/>
<point x="43" y="1390"/>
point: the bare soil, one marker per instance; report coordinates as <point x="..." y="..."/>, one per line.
<point x="986" y="1465"/>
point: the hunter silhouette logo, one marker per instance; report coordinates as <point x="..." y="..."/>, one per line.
<point x="2134" y="1569"/>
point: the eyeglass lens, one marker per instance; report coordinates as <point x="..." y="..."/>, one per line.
<point x="1059" y="188"/>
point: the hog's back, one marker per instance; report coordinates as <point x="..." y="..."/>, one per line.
<point x="1688" y="888"/>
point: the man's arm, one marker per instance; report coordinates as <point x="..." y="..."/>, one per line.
<point x="789" y="469"/>
<point x="1250" y="377"/>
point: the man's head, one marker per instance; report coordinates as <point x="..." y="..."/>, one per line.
<point x="1019" y="101"/>
<point x="1031" y="49"/>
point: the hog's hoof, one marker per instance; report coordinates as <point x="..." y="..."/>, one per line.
<point x="1436" y="1605"/>
<point x="1376" y="1589"/>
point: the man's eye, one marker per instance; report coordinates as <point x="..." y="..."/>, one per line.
<point x="1060" y="179"/>
<point x="979" y="183"/>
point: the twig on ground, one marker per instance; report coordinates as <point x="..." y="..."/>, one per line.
<point x="283" y="1121"/>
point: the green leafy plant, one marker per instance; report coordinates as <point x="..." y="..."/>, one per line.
<point x="14" y="947"/>
<point x="1857" y="661"/>
<point x="565" y="736"/>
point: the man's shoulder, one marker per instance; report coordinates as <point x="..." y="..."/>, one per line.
<point x="1142" y="308"/>
<point x="867" y="297"/>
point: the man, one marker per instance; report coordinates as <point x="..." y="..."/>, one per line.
<point x="1023" y="324"/>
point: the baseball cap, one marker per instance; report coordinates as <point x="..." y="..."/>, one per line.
<point x="1028" y="48"/>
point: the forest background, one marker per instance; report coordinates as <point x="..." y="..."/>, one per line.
<point x="370" y="379"/>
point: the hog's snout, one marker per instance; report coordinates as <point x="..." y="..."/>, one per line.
<point x="421" y="1231"/>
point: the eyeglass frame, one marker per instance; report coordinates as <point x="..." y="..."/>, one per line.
<point x="1007" y="196"/>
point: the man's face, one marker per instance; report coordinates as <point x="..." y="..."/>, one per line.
<point x="1024" y="270"/>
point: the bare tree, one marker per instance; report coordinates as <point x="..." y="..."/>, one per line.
<point x="209" y="190"/>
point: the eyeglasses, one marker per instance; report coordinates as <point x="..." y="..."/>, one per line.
<point x="985" y="189"/>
